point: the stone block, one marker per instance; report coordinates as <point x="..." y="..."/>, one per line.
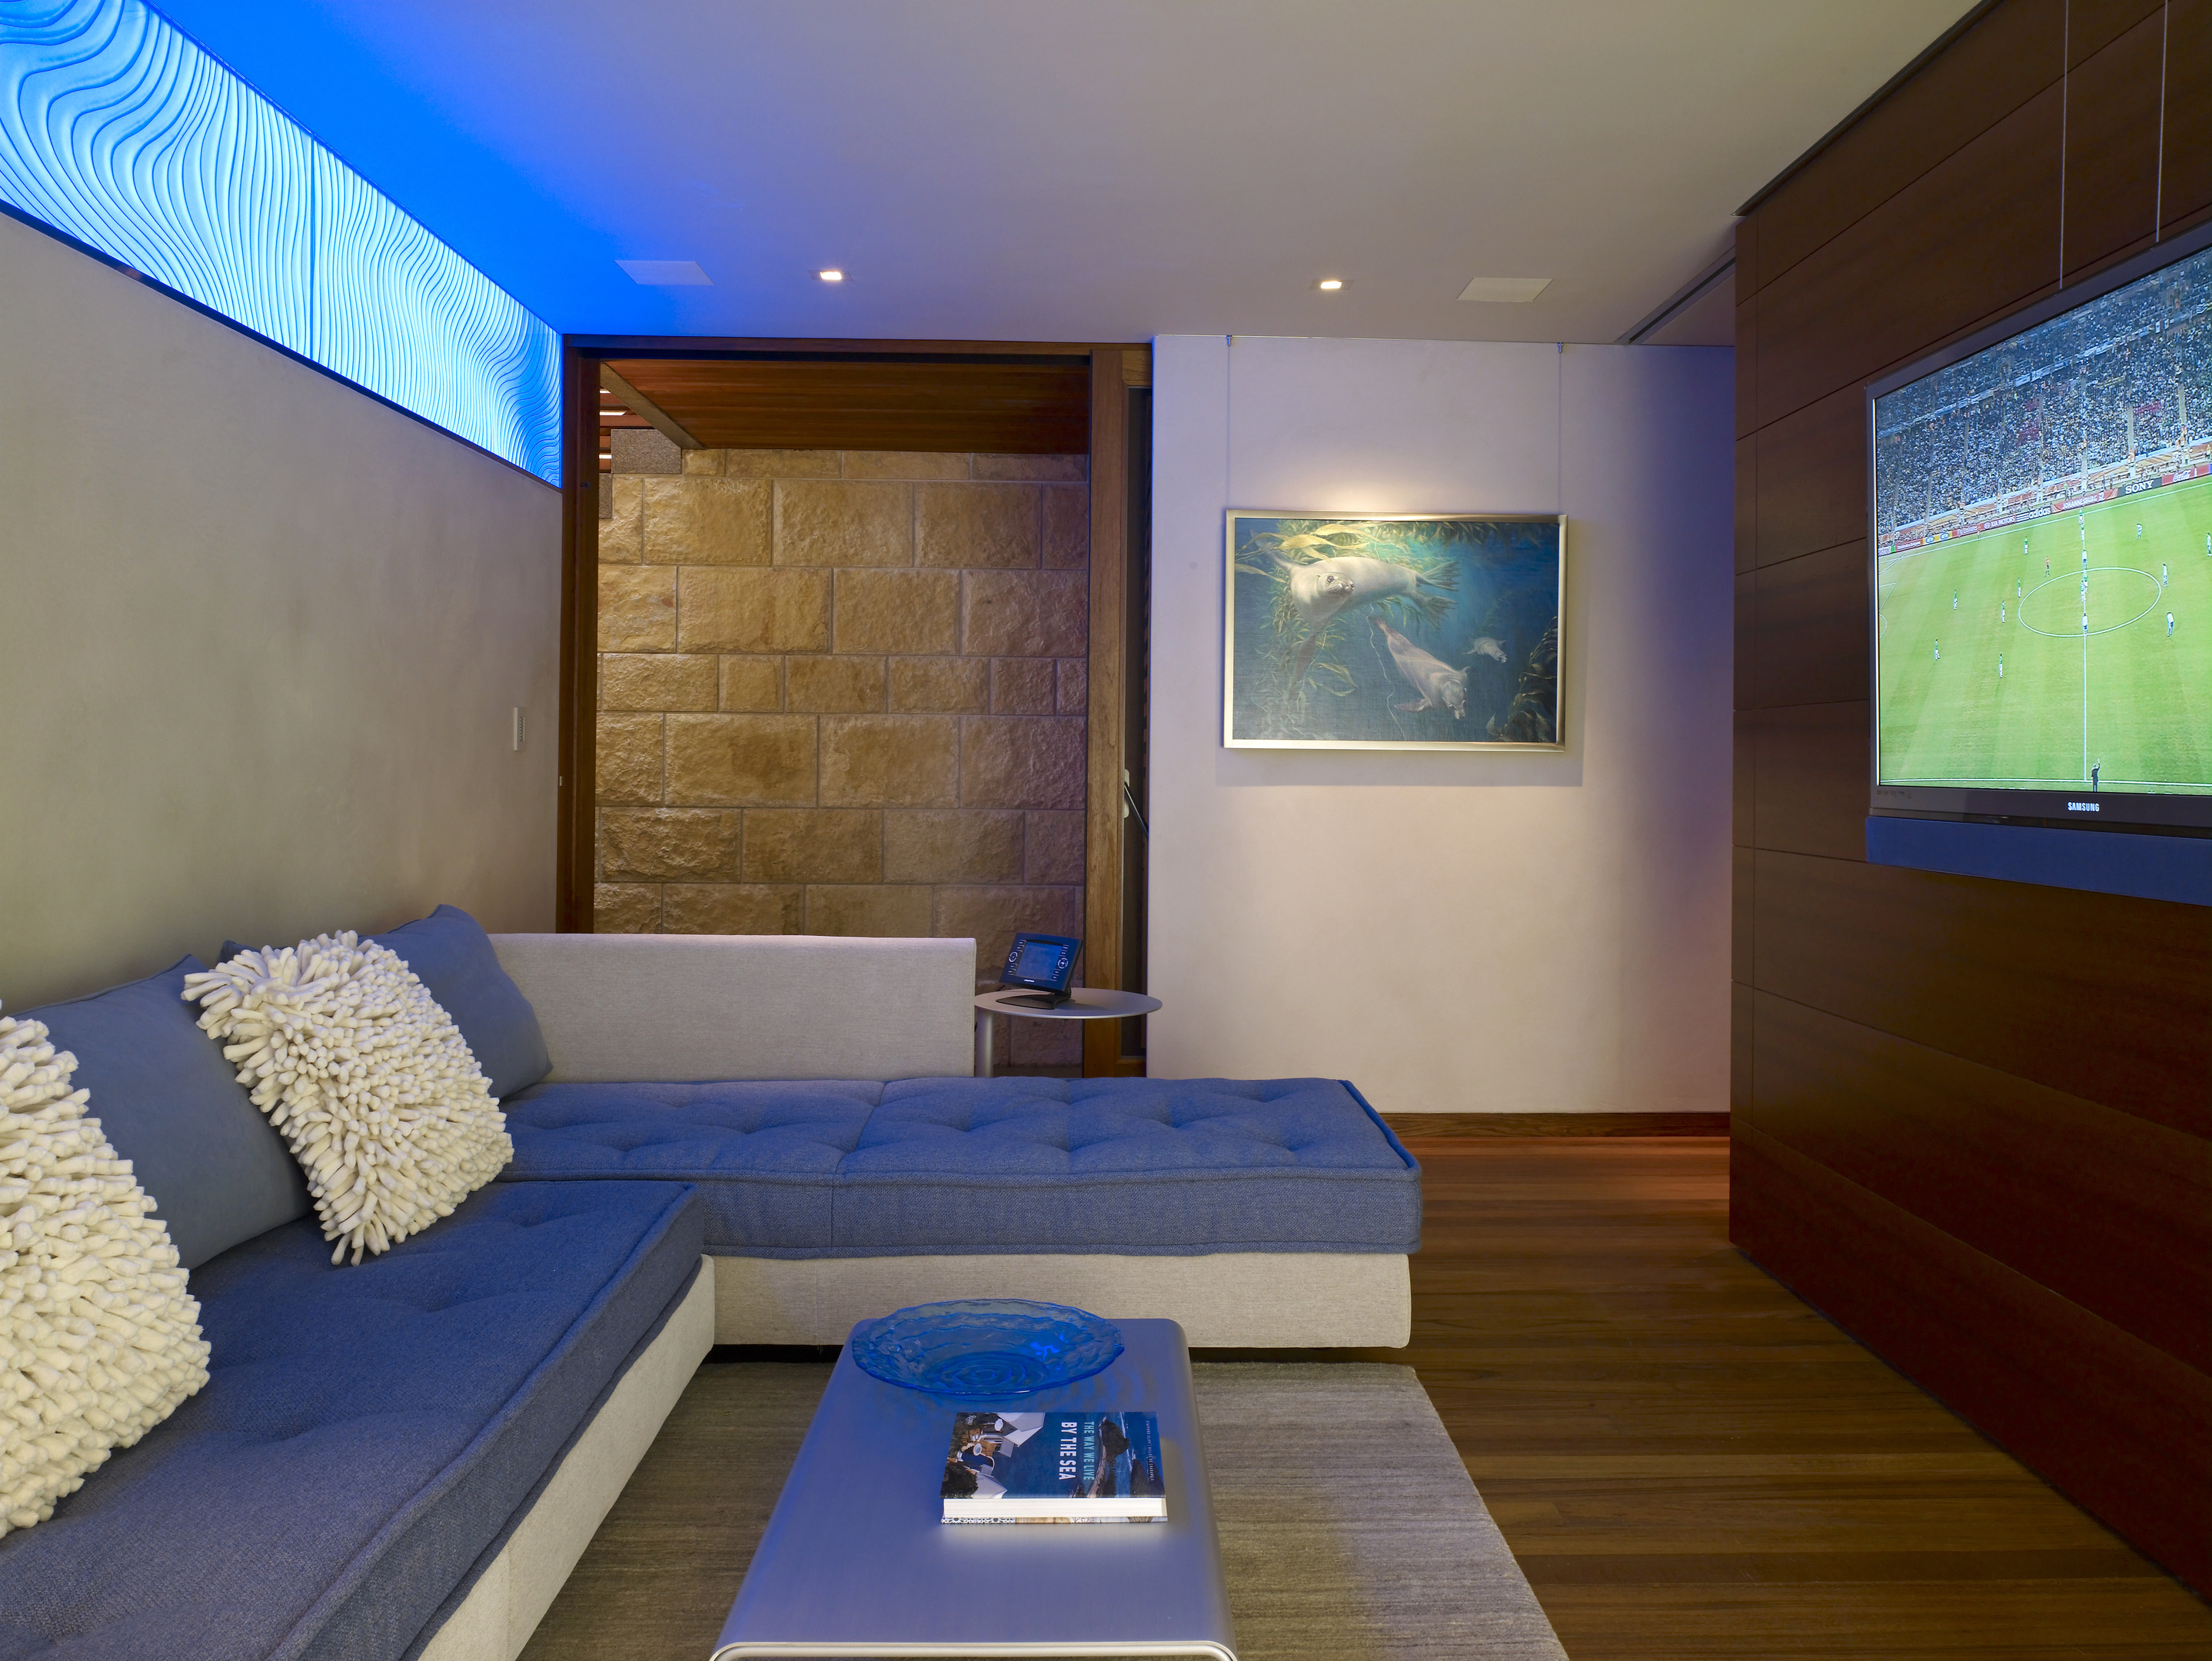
<point x="1044" y="1043"/>
<point x="735" y="609"/>
<point x="880" y="910"/>
<point x="1066" y="525"/>
<point x="637" y="608"/>
<point x="704" y="463"/>
<point x="1032" y="467"/>
<point x="780" y="464"/>
<point x="976" y="524"/>
<point x="706" y="521"/>
<point x="1074" y="686"/>
<point x="903" y="464"/>
<point x="653" y="681"/>
<point x="730" y="908"/>
<point x="753" y="683"/>
<point x="741" y="760"/>
<point x="953" y="685"/>
<point x="657" y="844"/>
<point x="628" y="765"/>
<point x="889" y="761"/>
<point x="1053" y="848"/>
<point x="1022" y="686"/>
<point x="953" y="845"/>
<point x="618" y="530"/>
<point x="992" y="915"/>
<point x="813" y="844"/>
<point x="626" y="908"/>
<point x="1014" y="614"/>
<point x="840" y="522"/>
<point x="906" y="611"/>
<point x="1017" y="761"/>
<point x="839" y="685"/>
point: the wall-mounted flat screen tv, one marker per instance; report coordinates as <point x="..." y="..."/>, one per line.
<point x="2042" y="552"/>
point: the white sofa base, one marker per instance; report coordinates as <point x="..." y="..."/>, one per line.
<point x="1226" y="1300"/>
<point x="504" y="1607"/>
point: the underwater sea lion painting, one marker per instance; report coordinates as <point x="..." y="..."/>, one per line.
<point x="1327" y="587"/>
<point x="1441" y="686"/>
<point x="1393" y="631"/>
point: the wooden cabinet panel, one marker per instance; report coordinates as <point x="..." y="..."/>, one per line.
<point x="2093" y="25"/>
<point x="1812" y="477"/>
<point x="1742" y="780"/>
<point x="2003" y="61"/>
<point x="1742" y="908"/>
<point x="2112" y="147"/>
<point x="1746" y="502"/>
<point x="1746" y="366"/>
<point x="2118" y="1424"/>
<point x="2101" y="996"/>
<point x="1971" y="238"/>
<point x="2186" y="179"/>
<point x="1811" y="771"/>
<point x="1742" y="1051"/>
<point x="1811" y="645"/>
<point x="1746" y="639"/>
<point x="2107" y="1209"/>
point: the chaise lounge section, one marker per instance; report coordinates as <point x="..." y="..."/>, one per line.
<point x="817" y="1092"/>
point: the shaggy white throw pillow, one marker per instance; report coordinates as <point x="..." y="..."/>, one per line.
<point x="370" y="1082"/>
<point x="99" y="1341"/>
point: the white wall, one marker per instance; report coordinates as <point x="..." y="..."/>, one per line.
<point x="1509" y="933"/>
<point x="259" y="638"/>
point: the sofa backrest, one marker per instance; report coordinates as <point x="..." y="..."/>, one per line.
<point x="650" y="1008"/>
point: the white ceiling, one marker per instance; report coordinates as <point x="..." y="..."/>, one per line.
<point x="1077" y="169"/>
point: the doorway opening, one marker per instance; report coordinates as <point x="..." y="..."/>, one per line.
<point x="855" y="646"/>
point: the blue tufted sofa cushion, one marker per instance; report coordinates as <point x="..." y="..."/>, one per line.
<point x="367" y="1435"/>
<point x="1146" y="1166"/>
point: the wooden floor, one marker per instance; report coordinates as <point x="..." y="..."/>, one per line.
<point x="1689" y="1462"/>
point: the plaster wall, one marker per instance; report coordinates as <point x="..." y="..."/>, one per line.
<point x="260" y="640"/>
<point x="1505" y="933"/>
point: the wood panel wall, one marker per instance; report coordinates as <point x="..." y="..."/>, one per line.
<point x="1972" y="1121"/>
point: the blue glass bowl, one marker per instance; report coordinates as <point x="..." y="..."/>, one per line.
<point x="985" y="1347"/>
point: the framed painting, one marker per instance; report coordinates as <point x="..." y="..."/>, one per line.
<point x="1394" y="631"/>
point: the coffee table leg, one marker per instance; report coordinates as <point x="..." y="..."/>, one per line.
<point x="983" y="1044"/>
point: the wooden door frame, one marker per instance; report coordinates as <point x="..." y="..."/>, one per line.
<point x="1115" y="367"/>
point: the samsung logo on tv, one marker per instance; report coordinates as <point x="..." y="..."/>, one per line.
<point x="2081" y="806"/>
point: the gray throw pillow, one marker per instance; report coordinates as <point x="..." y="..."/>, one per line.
<point x="217" y="1172"/>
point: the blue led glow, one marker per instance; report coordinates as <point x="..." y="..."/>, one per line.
<point x="116" y="130"/>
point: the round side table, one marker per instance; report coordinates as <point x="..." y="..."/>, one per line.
<point x="1084" y="1003"/>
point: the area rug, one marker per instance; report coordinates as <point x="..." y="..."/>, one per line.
<point x="1349" y="1529"/>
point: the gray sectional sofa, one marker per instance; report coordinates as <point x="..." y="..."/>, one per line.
<point x="717" y="1140"/>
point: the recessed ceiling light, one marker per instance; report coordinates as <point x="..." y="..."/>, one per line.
<point x="831" y="276"/>
<point x="1330" y="284"/>
<point x="666" y="273"/>
<point x="610" y="409"/>
<point x="1509" y="291"/>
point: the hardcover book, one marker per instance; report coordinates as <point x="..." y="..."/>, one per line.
<point x="1055" y="1468"/>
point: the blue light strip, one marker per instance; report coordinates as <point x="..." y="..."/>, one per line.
<point x="116" y="130"/>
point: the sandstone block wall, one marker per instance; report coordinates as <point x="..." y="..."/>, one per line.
<point x="843" y="693"/>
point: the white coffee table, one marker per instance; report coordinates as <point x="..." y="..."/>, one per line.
<point x="1084" y="1003"/>
<point x="855" y="1562"/>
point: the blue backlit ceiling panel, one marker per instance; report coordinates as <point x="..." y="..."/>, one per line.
<point x="116" y="130"/>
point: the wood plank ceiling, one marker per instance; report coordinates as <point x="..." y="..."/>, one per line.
<point x="1001" y="406"/>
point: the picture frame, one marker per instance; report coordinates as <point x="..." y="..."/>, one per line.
<point x="1393" y="631"/>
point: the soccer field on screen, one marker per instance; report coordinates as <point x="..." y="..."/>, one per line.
<point x="2128" y="695"/>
